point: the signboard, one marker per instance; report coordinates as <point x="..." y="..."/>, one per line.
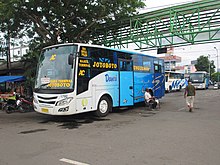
<point x="171" y="58"/>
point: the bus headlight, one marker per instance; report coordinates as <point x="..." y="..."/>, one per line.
<point x="35" y="100"/>
<point x="64" y="101"/>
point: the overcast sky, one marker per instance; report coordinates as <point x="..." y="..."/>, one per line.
<point x="188" y="53"/>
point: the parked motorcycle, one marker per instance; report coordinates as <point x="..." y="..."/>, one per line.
<point x="19" y="104"/>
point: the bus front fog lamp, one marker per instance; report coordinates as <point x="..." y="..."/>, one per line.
<point x="64" y="101"/>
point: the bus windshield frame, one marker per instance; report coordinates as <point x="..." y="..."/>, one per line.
<point x="54" y="73"/>
<point x="197" y="77"/>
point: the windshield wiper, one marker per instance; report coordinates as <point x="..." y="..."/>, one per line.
<point x="40" y="87"/>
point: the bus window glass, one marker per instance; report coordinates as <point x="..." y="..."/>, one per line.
<point x="172" y="76"/>
<point x="54" y="72"/>
<point x="177" y="76"/>
<point x="182" y="76"/>
<point x="102" y="59"/>
<point x="161" y="63"/>
<point x="125" y="66"/>
<point x="195" y="77"/>
<point x="156" y="68"/>
<point x="142" y="63"/>
<point x="156" y="61"/>
<point x="147" y="63"/>
<point x="124" y="55"/>
<point x="137" y="60"/>
<point x="98" y="60"/>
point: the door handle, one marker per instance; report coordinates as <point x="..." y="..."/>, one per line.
<point x="131" y="87"/>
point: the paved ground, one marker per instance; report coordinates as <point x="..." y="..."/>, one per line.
<point x="169" y="136"/>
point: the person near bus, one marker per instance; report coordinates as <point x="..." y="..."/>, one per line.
<point x="20" y="89"/>
<point x="149" y="99"/>
<point x="189" y="95"/>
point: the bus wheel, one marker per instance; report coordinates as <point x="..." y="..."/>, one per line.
<point x="170" y="89"/>
<point x="180" y="87"/>
<point x="104" y="107"/>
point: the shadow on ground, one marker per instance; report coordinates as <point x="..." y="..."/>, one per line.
<point x="73" y="121"/>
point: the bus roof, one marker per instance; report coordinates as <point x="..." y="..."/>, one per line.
<point x="99" y="46"/>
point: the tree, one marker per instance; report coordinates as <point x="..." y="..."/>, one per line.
<point x="49" y="22"/>
<point x="63" y="21"/>
<point x="215" y="76"/>
<point x="29" y="60"/>
<point x="203" y="64"/>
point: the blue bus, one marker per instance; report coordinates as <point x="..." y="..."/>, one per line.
<point x="75" y="78"/>
<point x="200" y="79"/>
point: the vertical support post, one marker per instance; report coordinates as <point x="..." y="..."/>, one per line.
<point x="217" y="62"/>
<point x="8" y="53"/>
<point x="209" y="66"/>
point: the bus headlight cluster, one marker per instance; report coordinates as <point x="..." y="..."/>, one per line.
<point x="64" y="101"/>
<point x="35" y="100"/>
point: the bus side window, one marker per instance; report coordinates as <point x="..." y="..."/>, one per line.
<point x="157" y="68"/>
<point x="84" y="74"/>
<point x="125" y="66"/>
<point x="129" y="66"/>
<point x="182" y="76"/>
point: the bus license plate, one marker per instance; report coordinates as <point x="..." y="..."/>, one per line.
<point x="45" y="110"/>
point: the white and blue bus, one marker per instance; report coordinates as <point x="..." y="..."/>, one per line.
<point x="76" y="78"/>
<point x="175" y="81"/>
<point x="200" y="79"/>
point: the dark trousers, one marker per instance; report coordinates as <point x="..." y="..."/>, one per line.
<point x="153" y="104"/>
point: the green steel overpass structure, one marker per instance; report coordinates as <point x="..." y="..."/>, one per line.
<point x="191" y="23"/>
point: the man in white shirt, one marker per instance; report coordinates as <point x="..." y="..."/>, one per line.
<point x="149" y="99"/>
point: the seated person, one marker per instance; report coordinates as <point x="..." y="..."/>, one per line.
<point x="149" y="99"/>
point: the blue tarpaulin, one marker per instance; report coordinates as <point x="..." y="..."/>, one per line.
<point x="11" y="78"/>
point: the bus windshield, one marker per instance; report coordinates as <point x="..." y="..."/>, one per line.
<point x="197" y="77"/>
<point x="53" y="71"/>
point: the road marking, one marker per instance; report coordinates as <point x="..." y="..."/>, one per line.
<point x="72" y="162"/>
<point x="181" y="109"/>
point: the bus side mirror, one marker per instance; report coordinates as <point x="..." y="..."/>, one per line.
<point x="70" y="59"/>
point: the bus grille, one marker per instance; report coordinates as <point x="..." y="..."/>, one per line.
<point x="47" y="100"/>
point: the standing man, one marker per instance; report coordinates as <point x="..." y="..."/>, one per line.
<point x="189" y="95"/>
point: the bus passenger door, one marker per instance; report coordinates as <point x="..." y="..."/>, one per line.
<point x="159" y="81"/>
<point x="126" y="83"/>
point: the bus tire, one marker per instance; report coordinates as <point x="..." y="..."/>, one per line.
<point x="180" y="87"/>
<point x="104" y="107"/>
<point x="170" y="89"/>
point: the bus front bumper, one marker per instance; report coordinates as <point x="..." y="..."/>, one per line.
<point x="198" y="86"/>
<point x="52" y="110"/>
